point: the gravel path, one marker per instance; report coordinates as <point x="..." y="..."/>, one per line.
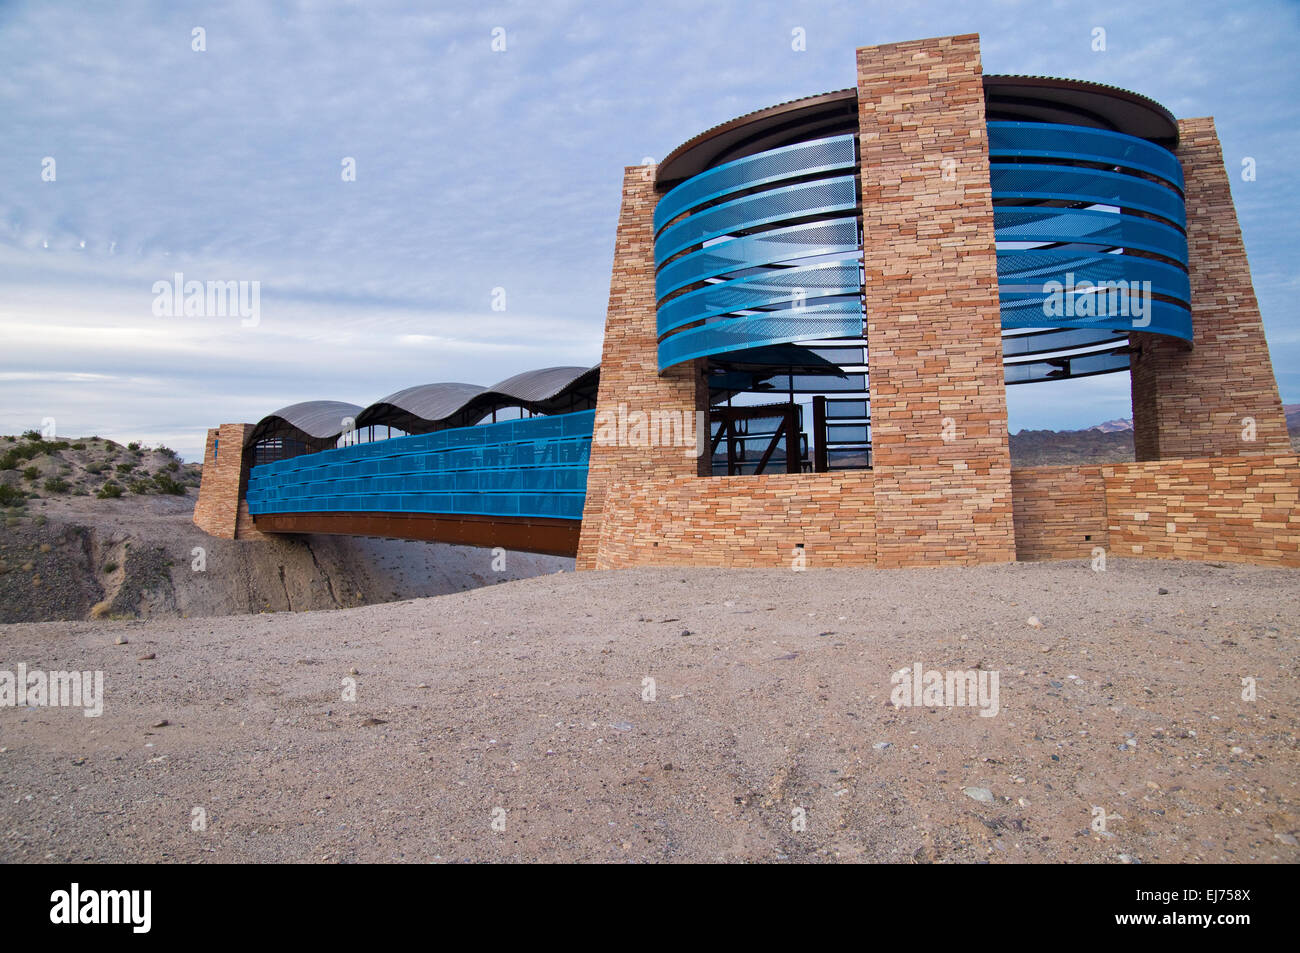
<point x="524" y="706"/>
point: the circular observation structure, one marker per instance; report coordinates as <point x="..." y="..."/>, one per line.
<point x="758" y="247"/>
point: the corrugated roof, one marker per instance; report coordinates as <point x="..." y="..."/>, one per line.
<point x="312" y="420"/>
<point x="426" y="407"/>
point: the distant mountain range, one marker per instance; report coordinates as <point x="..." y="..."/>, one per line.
<point x="1108" y="442"/>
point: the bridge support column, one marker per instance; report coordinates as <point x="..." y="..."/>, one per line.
<point x="630" y="382"/>
<point x="1219" y="397"/>
<point x="221" y="509"/>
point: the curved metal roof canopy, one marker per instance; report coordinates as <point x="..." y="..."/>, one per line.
<point x="315" y="422"/>
<point x="428" y="407"/>
<point x="413" y="408"/>
<point x="1025" y="98"/>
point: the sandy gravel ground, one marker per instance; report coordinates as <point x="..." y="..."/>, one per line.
<point x="524" y="704"/>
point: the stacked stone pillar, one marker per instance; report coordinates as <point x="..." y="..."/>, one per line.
<point x="941" y="458"/>
<point x="1219" y="397"/>
<point x="221" y="509"/>
<point x="630" y="382"/>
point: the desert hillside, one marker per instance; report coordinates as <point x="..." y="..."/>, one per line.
<point x="1109" y="442"/>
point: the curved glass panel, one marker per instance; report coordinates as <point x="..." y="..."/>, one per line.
<point x="1093" y="186"/>
<point x="731" y="291"/>
<point x="1025" y="272"/>
<point x="1160" y="317"/>
<point x="1074" y="284"/>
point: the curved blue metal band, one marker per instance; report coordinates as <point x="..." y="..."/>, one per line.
<point x="1023" y="273"/>
<point x="809" y="282"/>
<point x="1080" y="143"/>
<point x="1019" y="181"/>
<point x="1088" y="227"/>
<point x="1031" y="268"/>
<point x="787" y="162"/>
<point x="842" y="320"/>
<point x="832" y="237"/>
<point x="1159" y="317"/>
<point x="822" y="197"/>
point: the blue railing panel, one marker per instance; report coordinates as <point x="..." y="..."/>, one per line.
<point x="530" y="467"/>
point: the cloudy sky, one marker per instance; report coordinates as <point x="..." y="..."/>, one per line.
<point x="475" y="170"/>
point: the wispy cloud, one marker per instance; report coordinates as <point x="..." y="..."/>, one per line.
<point x="475" y="171"/>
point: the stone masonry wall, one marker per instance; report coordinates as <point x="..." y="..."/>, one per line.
<point x="1240" y="509"/>
<point x="1244" y="508"/>
<point x="629" y="367"/>
<point x="1060" y="512"/>
<point x="741" y="521"/>
<point x="1194" y="402"/>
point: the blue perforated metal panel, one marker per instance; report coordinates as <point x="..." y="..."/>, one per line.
<point x="536" y="466"/>
<point x="1048" y="286"/>
<point x="1082" y="144"/>
<point x="775" y="165"/>
<point x="825" y="280"/>
<point x="764" y="279"/>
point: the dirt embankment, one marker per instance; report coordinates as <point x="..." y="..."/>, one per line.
<point x="70" y="549"/>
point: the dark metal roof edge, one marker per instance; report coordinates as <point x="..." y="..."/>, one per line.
<point x="790" y="105"/>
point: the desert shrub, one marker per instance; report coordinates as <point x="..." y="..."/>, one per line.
<point x="166" y="484"/>
<point x="125" y="467"/>
<point x="96" y="467"/>
<point x="16" y="455"/>
<point x="173" y="466"/>
<point x="31" y="435"/>
<point x="11" y="496"/>
<point x="140" y="486"/>
<point x="109" y="491"/>
<point x="31" y="473"/>
<point x="56" y="485"/>
<point x="134" y="446"/>
<point x="78" y="446"/>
